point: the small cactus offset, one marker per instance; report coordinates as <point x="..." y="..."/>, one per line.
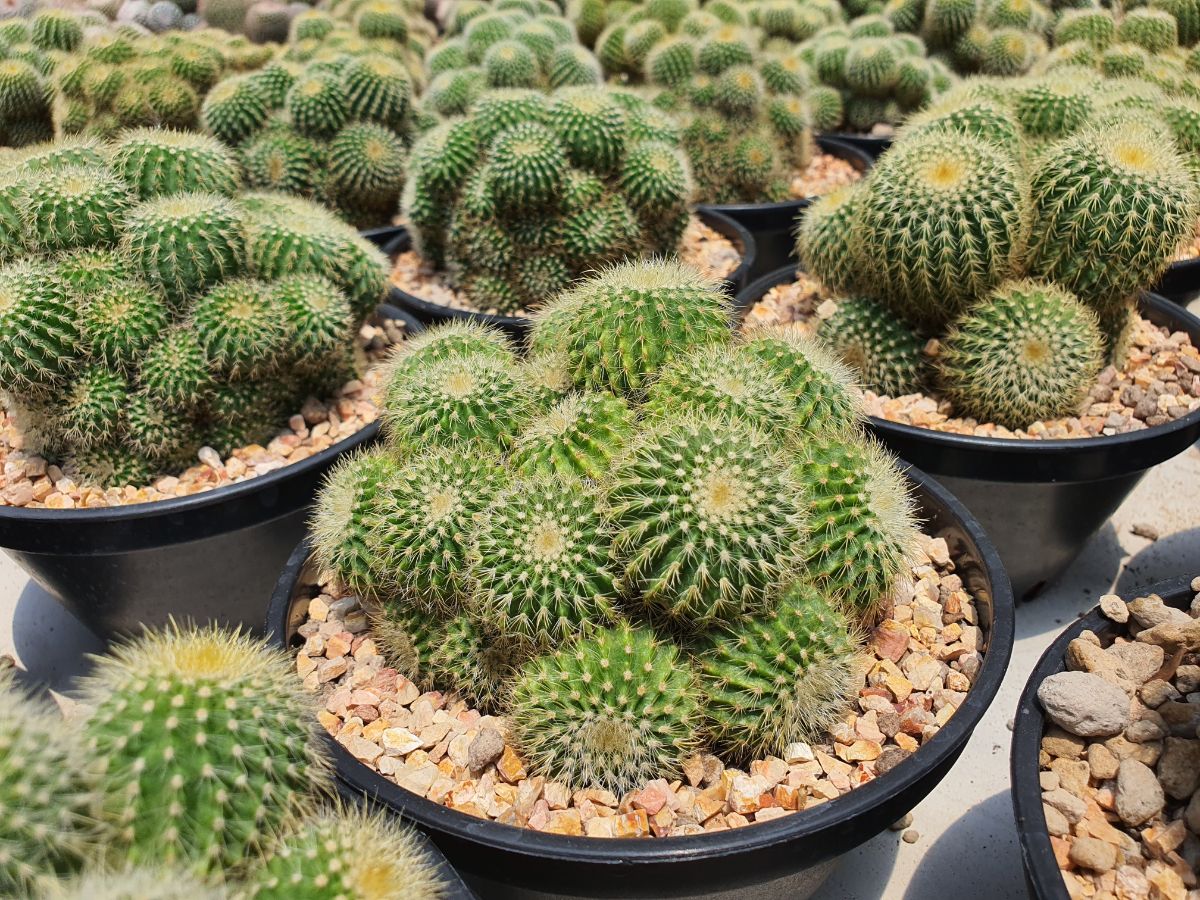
<point x="883" y="351"/>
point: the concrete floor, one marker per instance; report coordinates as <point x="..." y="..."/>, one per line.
<point x="967" y="838"/>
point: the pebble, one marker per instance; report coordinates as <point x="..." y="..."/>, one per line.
<point x="1114" y="607"/>
<point x="1092" y="853"/>
<point x="485" y="749"/>
<point x="824" y="173"/>
<point x="911" y="836"/>
<point x="1139" y="796"/>
<point x="1084" y="704"/>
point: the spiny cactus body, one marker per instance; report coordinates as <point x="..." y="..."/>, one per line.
<point x="882" y="350"/>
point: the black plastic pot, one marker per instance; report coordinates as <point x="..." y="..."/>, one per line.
<point x="773" y="225"/>
<point x="518" y="326"/>
<point x="1038" y="500"/>
<point x="1181" y="283"/>
<point x="1042" y="874"/>
<point x="872" y="146"/>
<point x="210" y="557"/>
<point x="788" y="857"/>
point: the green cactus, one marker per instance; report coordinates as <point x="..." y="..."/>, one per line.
<point x="175" y="370"/>
<point x="110" y="466"/>
<point x="317" y="104"/>
<point x="748" y="511"/>
<point x="86" y="272"/>
<point x="541" y="562"/>
<point x="885" y="353"/>
<point x="990" y="120"/>
<point x="460" y="337"/>
<point x="157" y="162"/>
<point x="822" y="388"/>
<point x="947" y="20"/>
<point x="591" y="126"/>
<point x="611" y="709"/>
<point x="1030" y="351"/>
<point x="781" y="675"/>
<point x="279" y="159"/>
<point x="234" y="109"/>
<point x="580" y="436"/>
<point x="1187" y="18"/>
<point x="1095" y="26"/>
<point x="823" y="238"/>
<point x="93" y="406"/>
<point x="46" y="795"/>
<point x="199" y="66"/>
<point x="378" y="89"/>
<point x="825" y="106"/>
<point x="1088" y="191"/>
<point x="620" y="327"/>
<point x="74" y="207"/>
<point x="1010" y="51"/>
<point x="56" y="29"/>
<point x="207" y="746"/>
<point x="381" y="19"/>
<point x="345" y="853"/>
<point x="316" y="316"/>
<point x="511" y="64"/>
<point x="39" y="328"/>
<point x="185" y="243"/>
<point x="159" y="433"/>
<point x="1123" y="60"/>
<point x="241" y="327"/>
<point x="366" y="167"/>
<point x="969" y="202"/>
<point x="1154" y="30"/>
<point x="573" y="66"/>
<point x="22" y="90"/>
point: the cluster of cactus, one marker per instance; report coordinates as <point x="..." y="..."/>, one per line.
<point x="508" y="44"/>
<point x="1016" y="222"/>
<point x="529" y="191"/>
<point x="681" y="512"/>
<point x="148" y="309"/>
<point x="194" y="771"/>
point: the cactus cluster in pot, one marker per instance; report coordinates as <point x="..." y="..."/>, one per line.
<point x="529" y="191"/>
<point x="191" y="768"/>
<point x="651" y="535"/>
<point x="148" y="307"/>
<point x="1015" y="232"/>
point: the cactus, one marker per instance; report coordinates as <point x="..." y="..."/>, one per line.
<point x="611" y="709"/>
<point x="823" y="239"/>
<point x="173" y="794"/>
<point x="620" y="327"/>
<point x="460" y="337"/>
<point x="46" y="795"/>
<point x="150" y="883"/>
<point x="366" y="169"/>
<point x="186" y="243"/>
<point x="109" y="466"/>
<point x="573" y="66"/>
<point x="1187" y="18"/>
<point x="1098" y="177"/>
<point x="947" y="20"/>
<point x="234" y="109"/>
<point x="175" y="370"/>
<point x="1010" y="51"/>
<point x="241" y="327"/>
<point x="822" y="388"/>
<point x="580" y="436"/>
<point x="1053" y="107"/>
<point x="345" y="853"/>
<point x="74" y="207"/>
<point x="969" y="202"/>
<point x="1095" y="26"/>
<point x="992" y="121"/>
<point x="378" y="89"/>
<point x="39" y="328"/>
<point x="350" y="501"/>
<point x="885" y="353"/>
<point x="22" y="90"/>
<point x="279" y="159"/>
<point x="92" y="406"/>
<point x="863" y="528"/>
<point x="748" y="510"/>
<point x="157" y="162"/>
<point x="316" y="315"/>
<point x="317" y="104"/>
<point x="1030" y="351"/>
<point x="1154" y="30"/>
<point x="158" y="433"/>
<point x="781" y="675"/>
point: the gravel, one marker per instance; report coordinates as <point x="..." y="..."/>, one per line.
<point x="1084" y="704"/>
<point x="923" y="669"/>
<point x="824" y="173"/>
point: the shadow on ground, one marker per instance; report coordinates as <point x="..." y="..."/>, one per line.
<point x="1172" y="557"/>
<point x="863" y="873"/>
<point x="51" y="643"/>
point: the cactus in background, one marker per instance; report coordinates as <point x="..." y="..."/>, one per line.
<point x="150" y="883"/>
<point x="346" y="853"/>
<point x="73" y="207"/>
<point x="883" y="351"/>
<point x="157" y="162"/>
<point x="778" y="676"/>
<point x="824" y="241"/>
<point x="1030" y="351"/>
<point x="611" y="709"/>
<point x="234" y="109"/>
<point x="280" y="159"/>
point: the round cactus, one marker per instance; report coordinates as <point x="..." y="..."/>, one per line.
<point x="1031" y="351"/>
<point x="56" y="29"/>
<point x="573" y="66"/>
<point x="781" y="675"/>
<point x="378" y="89"/>
<point x="688" y="478"/>
<point x="159" y="433"/>
<point x="1094" y="26"/>
<point x="74" y="207"/>
<point x="110" y="466"/>
<point x="185" y="243"/>
<point x="345" y="853"/>
<point x="316" y="317"/>
<point x="461" y="337"/>
<point x="241" y="327"/>
<point x="947" y="20"/>
<point x="150" y="883"/>
<point x="541" y="562"/>
<point x="986" y="119"/>
<point x="366" y="162"/>
<point x="591" y="125"/>
<point x="175" y="369"/>
<point x="612" y="709"/>
<point x="47" y="794"/>
<point x="462" y="400"/>
<point x="822" y="388"/>
<point x="823" y="239"/>
<point x="1010" y="51"/>
<point x="1088" y="193"/>
<point x="968" y="201"/>
<point x="279" y="159"/>
<point x="206" y="743"/>
<point x="578" y="437"/>
<point x="884" y="352"/>
<point x="39" y="328"/>
<point x="158" y="162"/>
<point x="234" y="109"/>
<point x="317" y="104"/>
<point x="87" y="272"/>
<point x="528" y="168"/>
<point x="1154" y="30"/>
<point x="22" y="90"/>
<point x="92" y="406"/>
<point x="620" y="327"/>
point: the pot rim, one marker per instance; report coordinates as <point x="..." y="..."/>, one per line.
<point x="397" y="238"/>
<point x="1021" y="447"/>
<point x="194" y="503"/>
<point x="1037" y="857"/>
<point x="941" y="749"/>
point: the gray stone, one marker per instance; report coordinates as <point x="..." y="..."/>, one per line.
<point x="1056" y="822"/>
<point x="1187" y="679"/>
<point x="1093" y="853"/>
<point x="1139" y="796"/>
<point x="1084" y="704"/>
<point x="1179" y="767"/>
<point x="1144" y="730"/>
<point x="1156" y="692"/>
<point x="1151" y="611"/>
<point x="1114" y="607"/>
<point x="1066" y="803"/>
<point x="1191" y="815"/>
<point x="1142" y="661"/>
<point x="485" y="749"/>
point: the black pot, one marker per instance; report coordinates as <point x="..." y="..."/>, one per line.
<point x="872" y="146"/>
<point x="1181" y="282"/>
<point x="398" y="240"/>
<point x="773" y="225"/>
<point x="1038" y="500"/>
<point x="210" y="557"/>
<point x="1042" y="874"/>
<point x="788" y="857"/>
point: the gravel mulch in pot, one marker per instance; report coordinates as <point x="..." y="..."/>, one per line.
<point x="1158" y="383"/>
<point x="28" y="480"/>
<point x="922" y="660"/>
<point x="823" y="174"/>
<point x="707" y="249"/>
<point x="1190" y="249"/>
<point x="1120" y="765"/>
